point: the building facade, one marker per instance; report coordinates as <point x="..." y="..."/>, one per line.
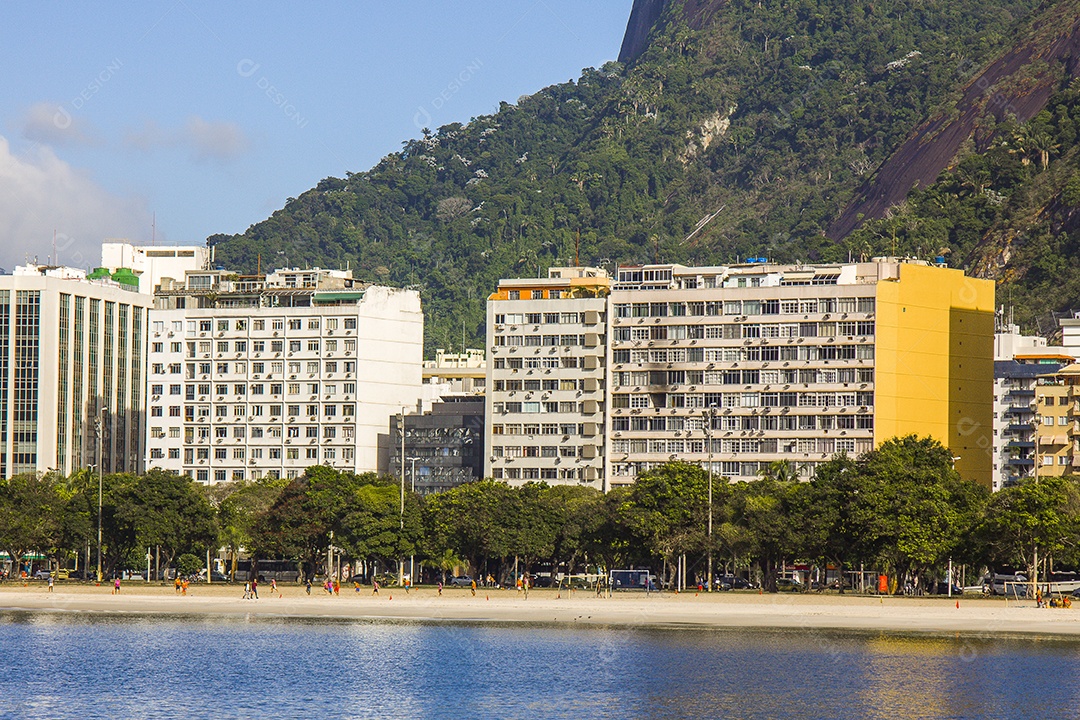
<point x="456" y="373"/>
<point x="545" y="403"/>
<point x="153" y="263"/>
<point x="72" y="372"/>
<point x="756" y="364"/>
<point x="254" y="376"/>
<point x="442" y="448"/>
<point x="1057" y="449"/>
<point x="1015" y="386"/>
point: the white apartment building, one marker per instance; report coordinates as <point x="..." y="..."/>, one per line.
<point x="750" y="365"/>
<point x="72" y="362"/>
<point x="545" y="378"/>
<point x="254" y="376"/>
<point x="152" y="263"/>
<point x="1070" y="334"/>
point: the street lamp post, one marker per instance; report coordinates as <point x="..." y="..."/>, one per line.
<point x="99" y="422"/>
<point x="401" y="560"/>
<point x="710" y="414"/>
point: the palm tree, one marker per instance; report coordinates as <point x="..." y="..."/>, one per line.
<point x="781" y="471"/>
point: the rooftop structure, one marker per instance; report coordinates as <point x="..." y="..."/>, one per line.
<point x="152" y="263"/>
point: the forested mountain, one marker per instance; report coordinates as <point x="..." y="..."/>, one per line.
<point x="738" y="128"/>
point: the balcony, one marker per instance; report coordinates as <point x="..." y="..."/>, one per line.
<point x="1021" y="462"/>
<point x="1020" y="444"/>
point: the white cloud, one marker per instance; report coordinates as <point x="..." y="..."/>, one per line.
<point x="52" y="124"/>
<point x="206" y="140"/>
<point x="40" y="194"/>
<point x="218" y="141"/>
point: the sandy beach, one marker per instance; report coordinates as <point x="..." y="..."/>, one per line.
<point x="974" y="616"/>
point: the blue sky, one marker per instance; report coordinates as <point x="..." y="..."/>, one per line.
<point x="208" y="115"/>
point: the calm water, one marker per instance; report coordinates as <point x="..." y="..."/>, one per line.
<point x="69" y="666"/>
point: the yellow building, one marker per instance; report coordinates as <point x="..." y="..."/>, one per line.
<point x="1057" y="443"/>
<point x="935" y="362"/>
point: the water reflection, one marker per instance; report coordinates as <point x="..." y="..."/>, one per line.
<point x="77" y="666"/>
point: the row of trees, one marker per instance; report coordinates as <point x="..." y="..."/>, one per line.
<point x="901" y="509"/>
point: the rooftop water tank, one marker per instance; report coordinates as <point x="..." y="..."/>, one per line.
<point x="125" y="276"/>
<point x="99" y="274"/>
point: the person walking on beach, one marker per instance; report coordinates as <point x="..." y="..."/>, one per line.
<point x="51" y="578"/>
<point x="255" y="588"/>
<point x="525" y="585"/>
<point x="307" y="586"/>
<point x="116" y="585"/>
<point x="374" y="586"/>
<point x="472" y="586"/>
<point x="247" y="590"/>
<point x="273" y="587"/>
<point x="337" y="588"/>
<point x="440" y="587"/>
<point x="183" y="587"/>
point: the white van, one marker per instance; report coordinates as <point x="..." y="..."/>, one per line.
<point x="1014" y="585"/>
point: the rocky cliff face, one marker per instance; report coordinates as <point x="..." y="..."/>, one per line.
<point x="1016" y="84"/>
<point x="643" y="16"/>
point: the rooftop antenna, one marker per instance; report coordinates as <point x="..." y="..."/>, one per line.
<point x="577" y="249"/>
<point x="53" y="261"/>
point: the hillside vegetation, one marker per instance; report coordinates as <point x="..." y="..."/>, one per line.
<point x="766" y="116"/>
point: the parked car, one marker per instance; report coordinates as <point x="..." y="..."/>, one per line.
<point x="214" y="577"/>
<point x="42" y="574"/>
<point x="460" y="581"/>
<point x="788" y="585"/>
<point x="942" y="588"/>
<point x="733" y="582"/>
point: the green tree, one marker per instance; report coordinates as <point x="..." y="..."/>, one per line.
<point x="239" y="505"/>
<point x="667" y="508"/>
<point x="467" y="520"/>
<point x="292" y="528"/>
<point x="30" y="506"/>
<point x="921" y="510"/>
<point x="1032" y="518"/>
<point x="166" y="512"/>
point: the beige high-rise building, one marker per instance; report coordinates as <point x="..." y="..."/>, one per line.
<point x="764" y="367"/>
<point x="1057" y="435"/>
<point x="545" y="404"/>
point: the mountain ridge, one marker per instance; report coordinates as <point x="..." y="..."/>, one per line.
<point x="774" y="114"/>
